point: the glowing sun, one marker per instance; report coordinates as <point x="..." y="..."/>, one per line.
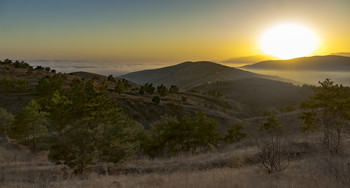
<point x="289" y="40"/>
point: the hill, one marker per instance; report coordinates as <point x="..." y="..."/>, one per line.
<point x="188" y="75"/>
<point x="248" y="60"/>
<point x="259" y="93"/>
<point x="314" y="63"/>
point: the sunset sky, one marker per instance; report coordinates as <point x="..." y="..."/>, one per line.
<point x="159" y="30"/>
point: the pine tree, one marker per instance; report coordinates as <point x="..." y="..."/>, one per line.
<point x="87" y="125"/>
<point x="6" y="120"/>
<point x="29" y="127"/>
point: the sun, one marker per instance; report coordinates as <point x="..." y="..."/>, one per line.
<point x="289" y="40"/>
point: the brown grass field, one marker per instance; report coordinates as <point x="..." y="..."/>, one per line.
<point x="231" y="166"/>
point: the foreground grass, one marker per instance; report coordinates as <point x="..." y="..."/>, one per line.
<point x="323" y="172"/>
<point x="231" y="167"/>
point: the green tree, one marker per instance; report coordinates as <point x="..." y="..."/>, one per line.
<point x="170" y="136"/>
<point x="119" y="88"/>
<point x="110" y="78"/>
<point x="162" y="90"/>
<point x="156" y="100"/>
<point x="161" y="138"/>
<point x="328" y="108"/>
<point x="206" y="134"/>
<point x="148" y="88"/>
<point x="13" y="84"/>
<point x="173" y="89"/>
<point x="29" y="127"/>
<point x="126" y="84"/>
<point x="48" y="85"/>
<point x="142" y="90"/>
<point x="235" y="133"/>
<point x="6" y="120"/>
<point x="86" y="125"/>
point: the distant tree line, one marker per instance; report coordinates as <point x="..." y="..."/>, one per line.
<point x="24" y="65"/>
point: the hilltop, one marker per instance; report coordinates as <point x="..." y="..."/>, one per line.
<point x="188" y="75"/>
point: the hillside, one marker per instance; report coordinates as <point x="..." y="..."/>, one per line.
<point x="188" y="74"/>
<point x="239" y="99"/>
<point x="259" y="93"/>
<point x="315" y="63"/>
<point x="137" y="106"/>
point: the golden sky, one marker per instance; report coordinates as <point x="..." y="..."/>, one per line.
<point x="158" y="30"/>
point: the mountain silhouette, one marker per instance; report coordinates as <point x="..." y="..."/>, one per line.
<point x="248" y="60"/>
<point x="314" y="63"/>
<point x="188" y="74"/>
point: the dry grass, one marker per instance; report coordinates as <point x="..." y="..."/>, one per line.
<point x="232" y="166"/>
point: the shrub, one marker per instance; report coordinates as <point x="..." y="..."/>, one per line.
<point x="235" y="133"/>
<point x="274" y="153"/>
<point x="156" y="100"/>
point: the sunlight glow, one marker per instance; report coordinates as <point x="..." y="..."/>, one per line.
<point x="289" y="40"/>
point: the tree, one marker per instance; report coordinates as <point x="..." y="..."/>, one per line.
<point x="156" y="100"/>
<point x="206" y="134"/>
<point x="173" y="89"/>
<point x="126" y="83"/>
<point x="170" y="136"/>
<point x="47" y="85"/>
<point x="235" y="133"/>
<point x="6" y="120"/>
<point x="148" y="88"/>
<point x="162" y="90"/>
<point x="119" y="88"/>
<point x="274" y="154"/>
<point x="142" y="90"/>
<point x="86" y="125"/>
<point x="328" y="108"/>
<point x="29" y="127"/>
<point x="110" y="78"/>
<point x="13" y="84"/>
<point x="161" y="138"/>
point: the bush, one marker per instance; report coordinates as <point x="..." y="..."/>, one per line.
<point x="169" y="136"/>
<point x="13" y="84"/>
<point x="156" y="100"/>
<point x="173" y="89"/>
<point x="274" y="153"/>
<point x="162" y="90"/>
<point x="235" y="133"/>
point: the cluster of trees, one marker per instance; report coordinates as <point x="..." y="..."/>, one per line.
<point x="41" y="68"/>
<point x="78" y="125"/>
<point x="13" y="84"/>
<point x="121" y="86"/>
<point x="170" y="135"/>
<point x="162" y="90"/>
<point x="16" y="64"/>
<point x="327" y="110"/>
<point x="215" y="93"/>
<point x="24" y="65"/>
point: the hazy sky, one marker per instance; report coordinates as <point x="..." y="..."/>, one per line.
<point x="160" y="30"/>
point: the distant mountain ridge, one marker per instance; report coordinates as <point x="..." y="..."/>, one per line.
<point x="248" y="60"/>
<point x="314" y="63"/>
<point x="188" y="74"/>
